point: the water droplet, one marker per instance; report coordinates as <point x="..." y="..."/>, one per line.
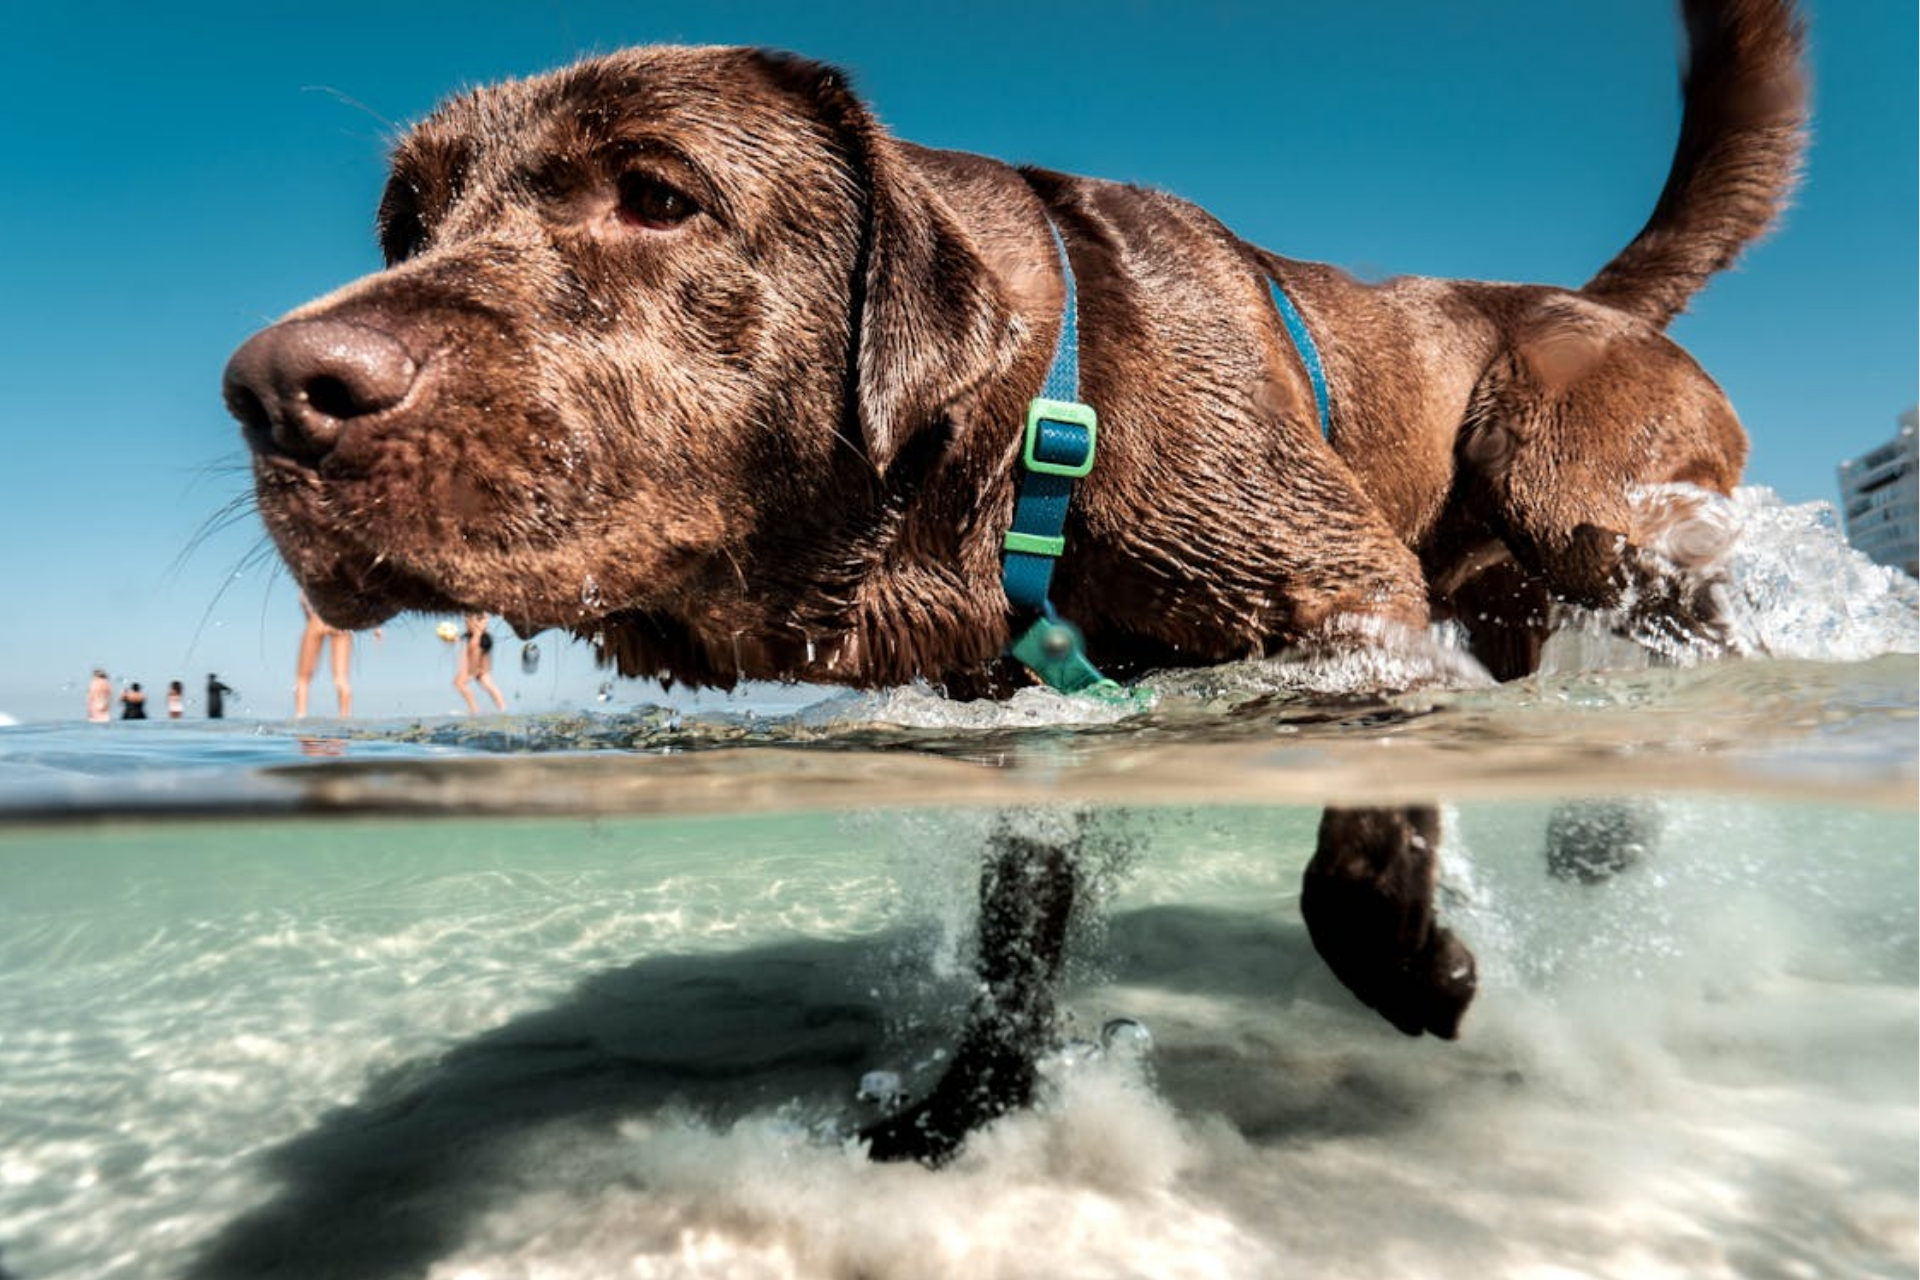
<point x="1126" y="1038"/>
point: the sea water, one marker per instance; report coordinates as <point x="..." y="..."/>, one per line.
<point x="594" y="996"/>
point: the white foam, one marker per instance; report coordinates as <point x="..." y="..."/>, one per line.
<point x="1090" y="1185"/>
<point x="1803" y="592"/>
<point x="921" y="706"/>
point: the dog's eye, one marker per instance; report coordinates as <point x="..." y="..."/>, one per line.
<point x="401" y="233"/>
<point x="646" y="201"/>
<point x="403" y="243"/>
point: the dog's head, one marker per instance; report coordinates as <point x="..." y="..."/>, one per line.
<point x="653" y="331"/>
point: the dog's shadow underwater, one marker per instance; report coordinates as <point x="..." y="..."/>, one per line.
<point x="385" y="1186"/>
<point x="389" y="1184"/>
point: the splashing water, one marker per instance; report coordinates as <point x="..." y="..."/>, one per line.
<point x="1791" y="588"/>
<point x="1794" y="589"/>
<point x="1802" y="592"/>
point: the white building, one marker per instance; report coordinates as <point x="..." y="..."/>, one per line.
<point x="1880" y="497"/>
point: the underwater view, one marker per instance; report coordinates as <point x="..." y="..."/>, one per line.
<point x="604" y="994"/>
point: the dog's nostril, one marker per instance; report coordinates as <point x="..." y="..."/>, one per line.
<point x="251" y="414"/>
<point x="334" y="398"/>
<point x="295" y="387"/>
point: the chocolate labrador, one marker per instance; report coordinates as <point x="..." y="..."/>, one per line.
<point x="678" y="350"/>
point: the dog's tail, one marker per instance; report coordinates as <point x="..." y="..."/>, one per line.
<point x="1743" y="131"/>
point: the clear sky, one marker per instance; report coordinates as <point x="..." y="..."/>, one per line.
<point x="176" y="176"/>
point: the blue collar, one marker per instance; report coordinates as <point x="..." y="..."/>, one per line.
<point x="1058" y="449"/>
<point x="1309" y="354"/>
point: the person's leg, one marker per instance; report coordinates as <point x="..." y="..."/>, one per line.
<point x="342" y="686"/>
<point x="310" y="641"/>
<point x="460" y="678"/>
<point x="486" y="681"/>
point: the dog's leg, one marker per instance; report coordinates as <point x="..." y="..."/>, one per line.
<point x="1026" y="898"/>
<point x="1567" y="446"/>
<point x="1594" y="840"/>
<point x="1368" y="902"/>
<point x="1504" y="610"/>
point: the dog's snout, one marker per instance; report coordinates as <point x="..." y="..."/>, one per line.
<point x="297" y="385"/>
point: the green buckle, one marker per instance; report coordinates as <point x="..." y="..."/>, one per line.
<point x="1035" y="544"/>
<point x="1053" y="650"/>
<point x="1040" y="409"/>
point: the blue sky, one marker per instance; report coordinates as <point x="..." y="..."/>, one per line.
<point x="179" y="175"/>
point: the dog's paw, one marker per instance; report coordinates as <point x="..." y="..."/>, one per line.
<point x="1426" y="993"/>
<point x="1676" y="576"/>
<point x="1594" y="840"/>
<point x="1448" y="978"/>
<point x="1431" y="992"/>
<point x="980" y="1086"/>
<point x="1367" y="899"/>
<point x="917" y="1133"/>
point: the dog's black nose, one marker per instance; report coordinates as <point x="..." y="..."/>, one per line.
<point x="295" y="386"/>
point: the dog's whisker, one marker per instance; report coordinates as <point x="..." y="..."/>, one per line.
<point x="388" y="126"/>
<point x="229" y="514"/>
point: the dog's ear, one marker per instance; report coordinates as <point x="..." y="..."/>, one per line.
<point x="931" y="321"/>
<point x="934" y="322"/>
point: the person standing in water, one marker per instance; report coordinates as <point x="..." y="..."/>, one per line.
<point x="317" y="635"/>
<point x="176" y="700"/>
<point x="99" y="697"/>
<point x="476" y="663"/>
<point x="216" y="697"/>
<point x="133" y="703"/>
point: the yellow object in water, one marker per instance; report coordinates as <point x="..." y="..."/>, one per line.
<point x="447" y="631"/>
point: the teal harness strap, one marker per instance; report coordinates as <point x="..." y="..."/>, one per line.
<point x="1057" y="449"/>
<point x="1309" y="353"/>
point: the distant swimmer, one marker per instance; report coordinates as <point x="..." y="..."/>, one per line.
<point x="99" y="697"/>
<point x="216" y="697"/>
<point x="476" y="663"/>
<point x="133" y="703"/>
<point x="176" y="700"/>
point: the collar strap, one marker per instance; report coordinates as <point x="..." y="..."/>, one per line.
<point x="1309" y="354"/>
<point x="1057" y="449"/>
